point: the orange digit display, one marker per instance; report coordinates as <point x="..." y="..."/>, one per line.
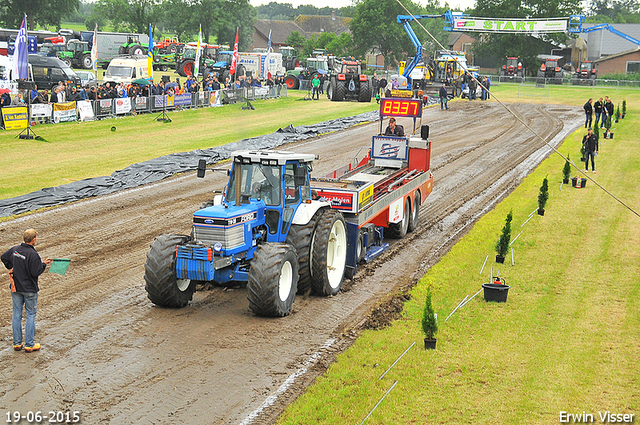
<point x="400" y="107"/>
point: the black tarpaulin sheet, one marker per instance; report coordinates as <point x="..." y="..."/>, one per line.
<point x="157" y="169"/>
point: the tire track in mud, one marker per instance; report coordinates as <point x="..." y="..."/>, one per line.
<point x="108" y="352"/>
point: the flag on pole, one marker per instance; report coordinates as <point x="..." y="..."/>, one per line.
<point x="196" y="69"/>
<point x="94" y="49"/>
<point x="20" y="58"/>
<point x="150" y="53"/>
<point x="266" y="60"/>
<point x="234" y="62"/>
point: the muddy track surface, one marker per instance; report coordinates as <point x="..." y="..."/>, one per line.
<point x="113" y="356"/>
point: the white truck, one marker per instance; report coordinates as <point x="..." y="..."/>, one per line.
<point x="125" y="69"/>
<point x="261" y="64"/>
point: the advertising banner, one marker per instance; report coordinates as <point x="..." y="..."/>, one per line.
<point x="141" y="103"/>
<point x="182" y="99"/>
<point x="396" y="210"/>
<point x="215" y="98"/>
<point x="104" y="106"/>
<point x="163" y="101"/>
<point x="509" y="25"/>
<point x="64" y="112"/>
<point x="41" y="110"/>
<point x="15" y="118"/>
<point x="85" y="110"/>
<point x="123" y="106"/>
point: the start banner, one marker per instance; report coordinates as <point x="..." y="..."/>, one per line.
<point x="15" y="118"/>
<point x="63" y="112"/>
<point x="524" y="26"/>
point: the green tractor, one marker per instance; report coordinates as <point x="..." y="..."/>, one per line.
<point x="132" y="46"/>
<point x="77" y="54"/>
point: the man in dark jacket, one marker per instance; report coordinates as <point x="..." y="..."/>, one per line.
<point x="590" y="142"/>
<point x="608" y="110"/>
<point x="597" y="108"/>
<point x="443" y="97"/>
<point x="394" y="129"/>
<point x="24" y="266"/>
<point x="588" y="111"/>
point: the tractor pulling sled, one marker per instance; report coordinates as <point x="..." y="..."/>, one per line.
<point x="281" y="232"/>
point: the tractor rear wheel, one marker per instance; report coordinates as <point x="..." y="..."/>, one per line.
<point x="365" y="92"/>
<point x="186" y="68"/>
<point x="329" y="254"/>
<point x="415" y="213"/>
<point x="292" y="82"/>
<point x="399" y="230"/>
<point x="136" y="50"/>
<point x="86" y="61"/>
<point x="67" y="61"/>
<point x="301" y="238"/>
<point x="340" y="91"/>
<point x="273" y="280"/>
<point x="163" y="288"/>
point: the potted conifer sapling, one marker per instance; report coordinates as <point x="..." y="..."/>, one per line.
<point x="608" y="134"/>
<point x="429" y="324"/>
<point x="618" y="113"/>
<point x="624" y="108"/>
<point x="566" y="171"/>
<point x="502" y="246"/>
<point x="543" y="196"/>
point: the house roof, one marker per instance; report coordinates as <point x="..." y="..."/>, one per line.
<point x="315" y="24"/>
<point x="617" y="55"/>
<point x="280" y="30"/>
<point x="604" y="43"/>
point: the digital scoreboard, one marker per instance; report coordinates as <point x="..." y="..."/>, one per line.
<point x="400" y="107"/>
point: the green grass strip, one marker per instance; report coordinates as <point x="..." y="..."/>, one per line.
<point x="567" y="338"/>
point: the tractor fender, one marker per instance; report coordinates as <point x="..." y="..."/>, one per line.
<point x="305" y="212"/>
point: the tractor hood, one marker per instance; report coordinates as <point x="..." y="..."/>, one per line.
<point x="231" y="214"/>
<point x="220" y="64"/>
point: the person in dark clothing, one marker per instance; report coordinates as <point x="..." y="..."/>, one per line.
<point x="597" y="108"/>
<point x="590" y="143"/>
<point x="394" y="129"/>
<point x="473" y="85"/>
<point x="443" y="97"/>
<point x="24" y="266"/>
<point x="588" y="111"/>
<point x="608" y="110"/>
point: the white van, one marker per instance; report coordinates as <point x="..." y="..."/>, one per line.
<point x="125" y="69"/>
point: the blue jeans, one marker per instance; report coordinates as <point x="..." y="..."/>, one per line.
<point x="597" y="118"/>
<point x="30" y="302"/>
<point x="587" y="122"/>
<point x="587" y="155"/>
<point x="443" y="103"/>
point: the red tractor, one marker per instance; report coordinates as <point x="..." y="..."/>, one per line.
<point x="586" y="73"/>
<point x="168" y="45"/>
<point x="513" y="68"/>
<point x="347" y="81"/>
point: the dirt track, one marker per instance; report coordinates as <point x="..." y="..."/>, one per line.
<point x="114" y="357"/>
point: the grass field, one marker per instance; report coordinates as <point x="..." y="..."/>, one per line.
<point x="74" y="151"/>
<point x="567" y="338"/>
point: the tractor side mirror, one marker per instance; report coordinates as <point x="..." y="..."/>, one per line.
<point x="202" y="167"/>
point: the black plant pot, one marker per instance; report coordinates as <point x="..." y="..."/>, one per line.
<point x="495" y="292"/>
<point x="430" y="344"/>
<point x="622" y="116"/>
<point x="499" y="259"/>
<point x="616" y="121"/>
<point x="583" y="159"/>
<point x="579" y="184"/>
<point x="540" y="211"/>
<point x="565" y="181"/>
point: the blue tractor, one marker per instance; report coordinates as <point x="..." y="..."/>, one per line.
<point x="265" y="230"/>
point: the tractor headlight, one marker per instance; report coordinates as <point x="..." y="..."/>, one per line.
<point x="217" y="247"/>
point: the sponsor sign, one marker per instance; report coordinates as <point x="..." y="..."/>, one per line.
<point x="64" y="112"/>
<point x="389" y="147"/>
<point x="365" y="196"/>
<point x="182" y="99"/>
<point x="215" y="98"/>
<point x="339" y="200"/>
<point x="141" y="103"/>
<point x="104" y="106"/>
<point x="261" y="91"/>
<point x="41" y="110"/>
<point x="15" y="118"/>
<point x="509" y="25"/>
<point x="123" y="105"/>
<point x="165" y="101"/>
<point x="85" y="110"/>
<point x="396" y="210"/>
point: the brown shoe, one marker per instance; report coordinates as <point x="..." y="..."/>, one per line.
<point x="36" y="347"/>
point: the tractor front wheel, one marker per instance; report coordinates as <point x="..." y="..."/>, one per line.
<point x="273" y="280"/>
<point x="163" y="288"/>
<point x="87" y="63"/>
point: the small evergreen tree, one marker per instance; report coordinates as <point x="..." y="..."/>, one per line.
<point x="624" y="107"/>
<point x="596" y="131"/>
<point x="543" y="196"/>
<point x="429" y="323"/>
<point x="503" y="243"/>
<point x="618" y="113"/>
<point x="566" y="171"/>
<point x="607" y="123"/>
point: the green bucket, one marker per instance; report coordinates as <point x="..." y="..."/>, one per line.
<point x="59" y="265"/>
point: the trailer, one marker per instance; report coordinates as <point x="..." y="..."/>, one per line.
<point x="112" y="44"/>
<point x="281" y="232"/>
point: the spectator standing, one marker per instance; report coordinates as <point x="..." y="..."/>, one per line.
<point x="443" y="97"/>
<point x="382" y="84"/>
<point x="590" y="143"/>
<point x="488" y="86"/>
<point x="374" y="84"/>
<point x="394" y="84"/>
<point x="588" y="112"/>
<point x="597" y="108"/>
<point x="473" y="85"/>
<point x="25" y="265"/>
<point x="608" y="106"/>
<point x="315" y="83"/>
<point x="18" y="100"/>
